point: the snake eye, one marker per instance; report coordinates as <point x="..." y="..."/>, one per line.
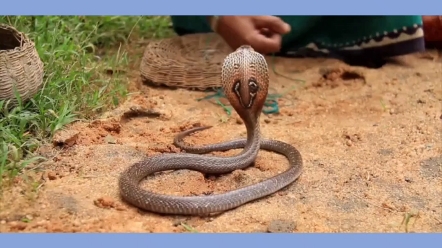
<point x="253" y="87"/>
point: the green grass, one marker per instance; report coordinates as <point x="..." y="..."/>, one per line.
<point x="78" y="53"/>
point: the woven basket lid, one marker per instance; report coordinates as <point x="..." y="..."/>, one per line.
<point x="191" y="61"/>
<point x="20" y="66"/>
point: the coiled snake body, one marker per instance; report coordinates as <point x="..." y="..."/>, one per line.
<point x="245" y="81"/>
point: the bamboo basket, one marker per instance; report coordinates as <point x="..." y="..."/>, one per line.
<point x="21" y="70"/>
<point x="190" y="61"/>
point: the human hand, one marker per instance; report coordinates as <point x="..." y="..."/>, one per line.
<point x="263" y="33"/>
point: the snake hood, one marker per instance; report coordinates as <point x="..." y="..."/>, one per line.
<point x="245" y="78"/>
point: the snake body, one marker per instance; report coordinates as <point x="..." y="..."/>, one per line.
<point x="245" y="81"/>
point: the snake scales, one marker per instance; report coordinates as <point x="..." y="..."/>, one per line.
<point x="245" y="81"/>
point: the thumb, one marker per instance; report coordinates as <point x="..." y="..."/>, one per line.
<point x="272" y="23"/>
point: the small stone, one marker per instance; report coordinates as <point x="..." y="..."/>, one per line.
<point x="52" y="175"/>
<point x="104" y="202"/>
<point x="239" y="121"/>
<point x="267" y="121"/>
<point x="19" y="226"/>
<point x="177" y="222"/>
<point x="66" y="138"/>
<point x="408" y="180"/>
<point x="281" y="226"/>
<point x="3" y="222"/>
<point x="348" y="143"/>
<point x="40" y="223"/>
<point x="110" y="139"/>
<point x="392" y="111"/>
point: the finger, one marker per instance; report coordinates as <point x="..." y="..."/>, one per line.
<point x="273" y="23"/>
<point x="265" y="44"/>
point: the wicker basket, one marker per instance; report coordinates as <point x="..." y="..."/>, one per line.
<point x="21" y="69"/>
<point x="190" y="61"/>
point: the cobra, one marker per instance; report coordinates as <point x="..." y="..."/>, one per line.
<point x="245" y="81"/>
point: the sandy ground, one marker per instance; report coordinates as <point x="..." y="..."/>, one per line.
<point x="370" y="140"/>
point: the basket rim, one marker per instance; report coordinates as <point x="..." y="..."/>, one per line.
<point x="171" y="43"/>
<point x="173" y="58"/>
<point x="24" y="42"/>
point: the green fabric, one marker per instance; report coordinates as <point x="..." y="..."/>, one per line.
<point x="328" y="31"/>
<point x="344" y="30"/>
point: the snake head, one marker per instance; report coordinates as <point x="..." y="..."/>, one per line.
<point x="245" y="79"/>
